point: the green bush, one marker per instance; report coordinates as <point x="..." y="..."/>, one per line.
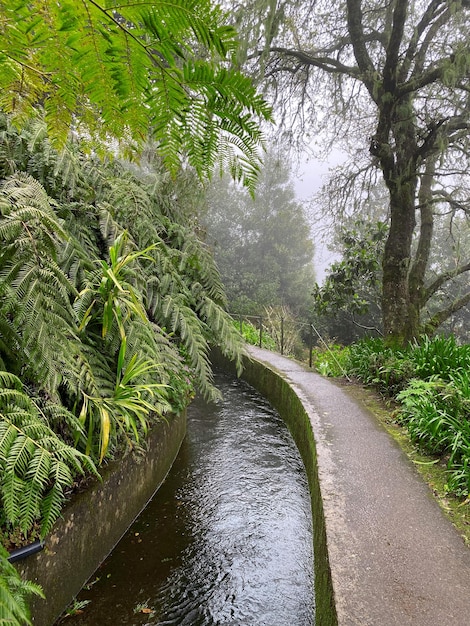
<point x="436" y="414"/>
<point x="383" y="367"/>
<point x="251" y="335"/>
<point x="439" y="356"/>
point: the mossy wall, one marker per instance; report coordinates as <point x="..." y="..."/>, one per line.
<point x="95" y="520"/>
<point x="284" y="398"/>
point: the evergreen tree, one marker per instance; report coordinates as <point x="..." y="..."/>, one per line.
<point x="262" y="246"/>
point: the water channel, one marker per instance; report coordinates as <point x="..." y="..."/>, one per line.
<point x="228" y="537"/>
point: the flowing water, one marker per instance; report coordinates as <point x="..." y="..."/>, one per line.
<point x="228" y="537"/>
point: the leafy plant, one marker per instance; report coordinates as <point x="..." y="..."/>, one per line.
<point x="36" y="465"/>
<point x="113" y="295"/>
<point x="439" y="356"/>
<point x="330" y="360"/>
<point x="168" y="64"/>
<point x="35" y="310"/>
<point x="251" y="335"/>
<point x="111" y="301"/>
<point x="127" y="409"/>
<point x="436" y="413"/>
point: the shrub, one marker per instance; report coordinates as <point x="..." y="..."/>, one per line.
<point x="436" y="414"/>
<point x="430" y="380"/>
<point x="376" y="364"/>
<point x="439" y="356"/>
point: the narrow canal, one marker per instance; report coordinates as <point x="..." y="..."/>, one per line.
<point x="226" y="540"/>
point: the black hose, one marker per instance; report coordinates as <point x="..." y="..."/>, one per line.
<point x="25" y="551"/>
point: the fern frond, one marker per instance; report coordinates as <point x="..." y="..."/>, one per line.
<point x="184" y="321"/>
<point x="13" y="593"/>
<point x="37" y="290"/>
<point x="33" y="460"/>
<point x="142" y="62"/>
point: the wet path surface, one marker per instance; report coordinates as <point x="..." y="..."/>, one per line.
<point x="226" y="540"/>
<point x="395" y="559"/>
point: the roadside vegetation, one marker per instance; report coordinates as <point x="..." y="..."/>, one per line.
<point x="426" y="390"/>
<point x="110" y="303"/>
<point x="113" y="118"/>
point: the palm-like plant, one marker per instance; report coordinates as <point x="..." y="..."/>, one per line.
<point x="114" y="302"/>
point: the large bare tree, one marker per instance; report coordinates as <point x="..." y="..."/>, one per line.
<point x="391" y="76"/>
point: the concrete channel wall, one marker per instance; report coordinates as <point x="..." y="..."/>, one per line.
<point x="284" y="399"/>
<point x="95" y="520"/>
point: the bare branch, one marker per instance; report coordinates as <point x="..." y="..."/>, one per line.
<point x="444" y="278"/>
<point x="441" y="316"/>
<point x="327" y="64"/>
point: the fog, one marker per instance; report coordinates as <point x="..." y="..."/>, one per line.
<point x="309" y="177"/>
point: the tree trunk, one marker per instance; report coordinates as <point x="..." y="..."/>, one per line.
<point x="397" y="154"/>
<point x="400" y="324"/>
<point x="426" y="226"/>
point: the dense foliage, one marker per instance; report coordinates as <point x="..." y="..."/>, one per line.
<point x="251" y="331"/>
<point x="388" y="83"/>
<point x="122" y="70"/>
<point x="110" y="303"/>
<point x="348" y="302"/>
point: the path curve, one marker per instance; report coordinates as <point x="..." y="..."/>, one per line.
<point x="395" y="558"/>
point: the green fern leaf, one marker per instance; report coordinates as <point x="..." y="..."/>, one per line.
<point x="33" y="460"/>
<point x="83" y="57"/>
<point x="13" y="593"/>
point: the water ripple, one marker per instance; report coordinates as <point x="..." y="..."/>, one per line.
<point x="228" y="538"/>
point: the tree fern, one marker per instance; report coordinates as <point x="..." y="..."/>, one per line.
<point x="159" y="307"/>
<point x="36" y="290"/>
